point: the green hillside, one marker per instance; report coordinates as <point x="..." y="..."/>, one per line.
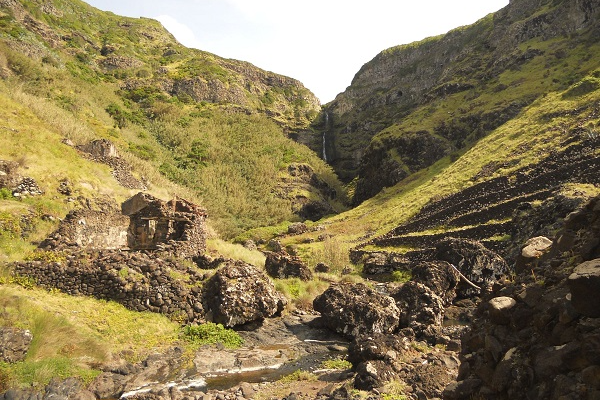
<point x="215" y="126"/>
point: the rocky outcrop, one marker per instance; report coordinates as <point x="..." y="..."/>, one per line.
<point x="238" y="293"/>
<point x="365" y="129"/>
<point x="539" y="336"/>
<point x="354" y="309"/>
<point x="283" y="265"/>
<point x="14" y="343"/>
<point x="309" y="193"/>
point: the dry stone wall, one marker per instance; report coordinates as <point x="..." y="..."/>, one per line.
<point x="141" y="281"/>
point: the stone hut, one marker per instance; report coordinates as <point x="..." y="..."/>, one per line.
<point x="177" y="226"/>
<point x="100" y="148"/>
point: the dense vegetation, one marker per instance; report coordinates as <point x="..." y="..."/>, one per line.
<point x="215" y="131"/>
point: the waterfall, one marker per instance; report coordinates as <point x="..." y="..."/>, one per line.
<point x="324" y="136"/>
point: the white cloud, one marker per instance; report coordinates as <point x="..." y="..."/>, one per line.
<point x="184" y="34"/>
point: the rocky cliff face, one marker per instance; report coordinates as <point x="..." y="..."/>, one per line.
<point x="413" y="104"/>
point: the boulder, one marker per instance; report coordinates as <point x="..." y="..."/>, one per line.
<point x="14" y="343"/>
<point x="584" y="284"/>
<point x="297" y="228"/>
<point x="238" y="293"/>
<point x="500" y="309"/>
<point x="322" y="267"/>
<point x="353" y="309"/>
<point x="481" y="266"/>
<point x="376" y="346"/>
<point x="420" y="307"/>
<point x="282" y="265"/>
<point x="373" y="374"/>
<point x="533" y="252"/>
<point x="438" y="276"/>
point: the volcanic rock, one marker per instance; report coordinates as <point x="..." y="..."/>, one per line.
<point x="238" y="293"/>
<point x="354" y="309"/>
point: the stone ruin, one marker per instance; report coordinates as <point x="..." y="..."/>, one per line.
<point x="176" y="226"/>
<point x="144" y="222"/>
<point x="104" y="151"/>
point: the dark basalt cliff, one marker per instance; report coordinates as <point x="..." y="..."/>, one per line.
<point x="414" y="104"/>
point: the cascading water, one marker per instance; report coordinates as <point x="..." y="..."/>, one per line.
<point x="325" y="136"/>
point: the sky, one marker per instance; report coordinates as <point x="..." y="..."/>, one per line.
<point x="322" y="43"/>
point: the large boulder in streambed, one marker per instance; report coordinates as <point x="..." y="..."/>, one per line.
<point x="238" y="294"/>
<point x="353" y="309"/>
<point x="481" y="266"/>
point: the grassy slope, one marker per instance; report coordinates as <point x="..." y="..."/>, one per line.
<point x="217" y="154"/>
<point x="525" y="140"/>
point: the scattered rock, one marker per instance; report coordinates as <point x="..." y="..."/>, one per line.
<point x="297" y="228"/>
<point x="27" y="187"/>
<point x="534" y="249"/>
<point x="14" y="343"/>
<point x="500" y="309"/>
<point x="373" y="374"/>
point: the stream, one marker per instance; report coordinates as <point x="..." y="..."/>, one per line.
<point x="272" y="352"/>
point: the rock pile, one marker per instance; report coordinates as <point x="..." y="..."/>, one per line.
<point x="14" y="343"/>
<point x="539" y="337"/>
<point x="27" y="187"/>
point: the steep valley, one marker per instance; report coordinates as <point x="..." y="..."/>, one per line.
<point x="176" y="225"/>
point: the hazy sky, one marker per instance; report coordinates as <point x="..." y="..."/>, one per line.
<point x="322" y="43"/>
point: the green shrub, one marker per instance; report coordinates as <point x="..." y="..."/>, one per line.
<point x="401" y="276"/>
<point x="6" y="194"/>
<point x="210" y="333"/>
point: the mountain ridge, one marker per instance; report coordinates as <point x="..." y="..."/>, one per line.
<point x="467" y="71"/>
